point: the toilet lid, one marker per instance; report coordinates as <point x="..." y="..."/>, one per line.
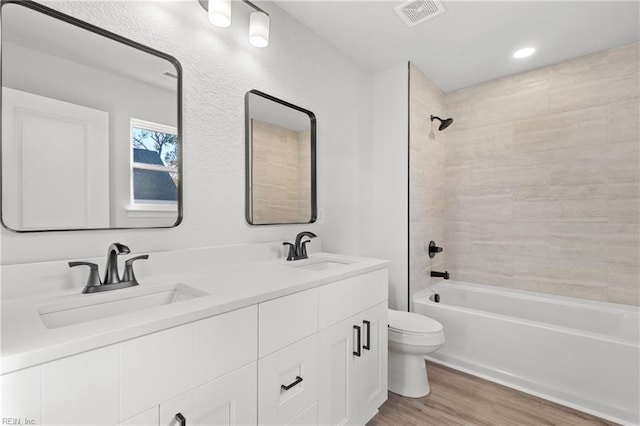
<point x="412" y="323"/>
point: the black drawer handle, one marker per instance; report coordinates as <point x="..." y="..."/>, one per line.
<point x="285" y="387"/>
<point x="367" y="345"/>
<point x="181" y="420"/>
<point x="358" y="351"/>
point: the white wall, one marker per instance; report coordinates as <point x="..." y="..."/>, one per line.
<point x="388" y="237"/>
<point x="219" y="67"/>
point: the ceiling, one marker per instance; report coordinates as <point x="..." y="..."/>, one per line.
<point x="473" y="41"/>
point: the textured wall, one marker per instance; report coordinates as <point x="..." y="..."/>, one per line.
<point x="542" y="173"/>
<point x="219" y="68"/>
<point x="426" y="179"/>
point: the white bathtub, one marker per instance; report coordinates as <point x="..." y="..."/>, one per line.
<point x="579" y="353"/>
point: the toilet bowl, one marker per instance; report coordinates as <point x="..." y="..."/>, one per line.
<point x="411" y="337"/>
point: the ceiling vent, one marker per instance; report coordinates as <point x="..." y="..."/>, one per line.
<point x="415" y="12"/>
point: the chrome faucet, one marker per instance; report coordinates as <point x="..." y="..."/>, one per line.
<point x="112" y="279"/>
<point x="298" y="250"/>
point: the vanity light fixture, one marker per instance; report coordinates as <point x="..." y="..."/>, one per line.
<point x="524" y="52"/>
<point x="259" y="29"/>
<point x="220" y="15"/>
<point x="220" y="12"/>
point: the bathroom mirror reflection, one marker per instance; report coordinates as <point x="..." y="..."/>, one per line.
<point x="90" y="126"/>
<point x="280" y="161"/>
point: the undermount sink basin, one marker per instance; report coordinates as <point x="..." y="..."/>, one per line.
<point x="321" y="264"/>
<point x="91" y="307"/>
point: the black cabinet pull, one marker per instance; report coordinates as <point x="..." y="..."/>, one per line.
<point x="367" y="345"/>
<point x="358" y="352"/>
<point x="181" y="419"/>
<point x="285" y="387"/>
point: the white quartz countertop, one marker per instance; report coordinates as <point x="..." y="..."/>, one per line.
<point x="27" y="342"/>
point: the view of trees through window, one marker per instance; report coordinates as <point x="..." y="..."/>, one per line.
<point x="165" y="144"/>
<point x="154" y="162"/>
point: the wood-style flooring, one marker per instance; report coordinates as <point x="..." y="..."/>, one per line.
<point x="457" y="398"/>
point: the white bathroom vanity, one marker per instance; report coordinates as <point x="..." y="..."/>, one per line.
<point x="237" y="339"/>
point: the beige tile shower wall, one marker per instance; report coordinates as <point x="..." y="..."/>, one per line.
<point x="426" y="179"/>
<point x="542" y="179"/>
<point x="276" y="175"/>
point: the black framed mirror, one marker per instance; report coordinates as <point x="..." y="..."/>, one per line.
<point x="91" y="126"/>
<point x="280" y="143"/>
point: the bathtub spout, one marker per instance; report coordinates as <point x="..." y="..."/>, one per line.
<point x="444" y="274"/>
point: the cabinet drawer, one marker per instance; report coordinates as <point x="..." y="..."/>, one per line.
<point x="286" y="320"/>
<point x="342" y="299"/>
<point x="287" y="382"/>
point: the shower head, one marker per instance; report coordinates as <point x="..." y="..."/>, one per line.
<point x="443" y="123"/>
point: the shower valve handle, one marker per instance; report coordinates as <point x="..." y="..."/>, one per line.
<point x="434" y="249"/>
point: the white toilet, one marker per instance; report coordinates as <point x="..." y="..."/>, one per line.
<point x="411" y="337"/>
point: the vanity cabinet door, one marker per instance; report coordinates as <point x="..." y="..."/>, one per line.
<point x="372" y="365"/>
<point x="287" y="319"/>
<point x="337" y="397"/>
<point x="147" y="418"/>
<point x="342" y="299"/>
<point x="20" y="396"/>
<point x="353" y="367"/>
<point x="287" y="383"/>
<point x="228" y="400"/>
<point x="82" y="389"/>
<point x="224" y="343"/>
<point x="155" y="368"/>
<point x="308" y="417"/>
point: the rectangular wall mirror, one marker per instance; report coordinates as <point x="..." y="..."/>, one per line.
<point x="91" y="126"/>
<point x="280" y="161"/>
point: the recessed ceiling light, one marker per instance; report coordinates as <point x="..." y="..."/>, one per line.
<point x="523" y="53"/>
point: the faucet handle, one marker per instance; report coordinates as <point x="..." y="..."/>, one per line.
<point x="94" y="275"/>
<point x="291" y="252"/>
<point x="128" y="275"/>
<point x="434" y="249"/>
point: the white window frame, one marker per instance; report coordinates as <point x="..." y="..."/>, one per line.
<point x="159" y="208"/>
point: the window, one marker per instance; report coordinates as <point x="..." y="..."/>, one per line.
<point x="154" y="162"/>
